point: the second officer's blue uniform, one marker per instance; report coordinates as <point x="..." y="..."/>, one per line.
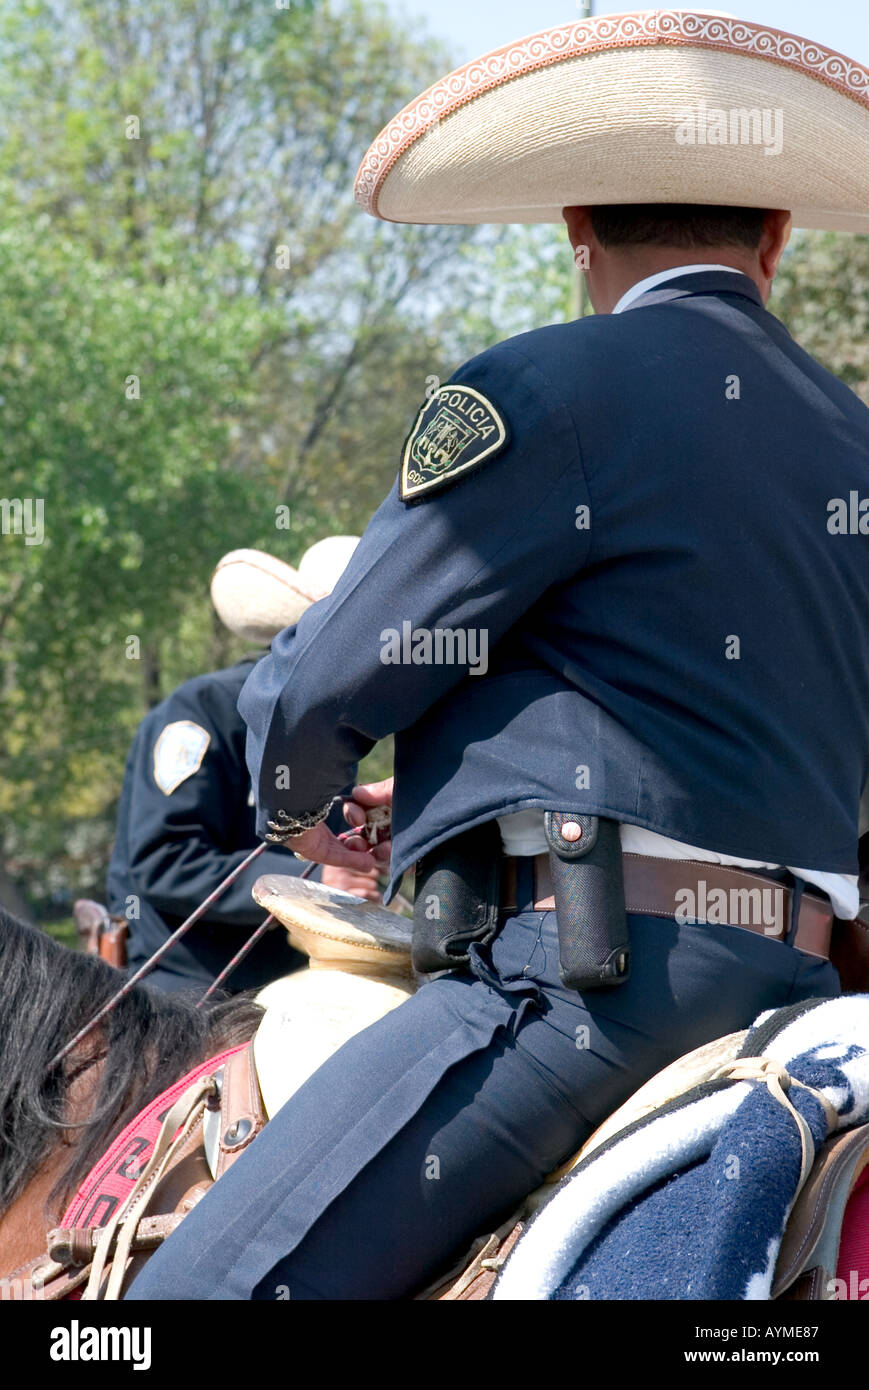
<point x="676" y="639"/>
<point x="185" y="821"/>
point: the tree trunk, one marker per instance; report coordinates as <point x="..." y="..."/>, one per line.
<point x="221" y="643"/>
<point x="151" y="676"/>
<point x="10" y="897"/>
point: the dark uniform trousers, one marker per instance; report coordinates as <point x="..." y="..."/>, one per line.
<point x="429" y="1127"/>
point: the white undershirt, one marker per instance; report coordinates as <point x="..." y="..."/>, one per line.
<point x="651" y="281"/>
<point x="522" y="832"/>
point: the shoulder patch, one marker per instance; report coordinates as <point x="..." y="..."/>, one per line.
<point x="457" y="429"/>
<point x="178" y="753"/>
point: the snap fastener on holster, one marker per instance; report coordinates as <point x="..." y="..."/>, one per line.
<point x="237" y="1133"/>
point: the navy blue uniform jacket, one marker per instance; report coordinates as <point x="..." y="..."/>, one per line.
<point x="689" y="654"/>
<point x="172" y="849"/>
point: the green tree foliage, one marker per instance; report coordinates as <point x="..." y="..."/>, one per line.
<point x="158" y="134"/>
<point x="176" y="179"/>
<point x="822" y="294"/>
<point x="177" y="184"/>
<point x="121" y="399"/>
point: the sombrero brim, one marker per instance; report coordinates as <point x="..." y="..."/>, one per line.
<point x="256" y="595"/>
<point x="597" y="112"/>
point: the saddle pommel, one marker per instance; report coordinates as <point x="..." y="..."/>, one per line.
<point x="337" y="930"/>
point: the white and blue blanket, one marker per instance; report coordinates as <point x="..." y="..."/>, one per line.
<point x="691" y="1201"/>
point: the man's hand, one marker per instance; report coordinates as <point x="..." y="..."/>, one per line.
<point x="364" y="799"/>
<point x="362" y="885"/>
<point x="354" y="853"/>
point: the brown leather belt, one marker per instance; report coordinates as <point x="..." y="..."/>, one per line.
<point x="663" y="887"/>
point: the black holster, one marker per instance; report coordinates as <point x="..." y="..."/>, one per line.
<point x="589" y="891"/>
<point x="456" y="898"/>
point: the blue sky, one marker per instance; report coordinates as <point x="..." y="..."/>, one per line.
<point x="473" y="27"/>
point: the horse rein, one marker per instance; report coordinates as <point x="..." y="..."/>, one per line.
<point x="195" y="916"/>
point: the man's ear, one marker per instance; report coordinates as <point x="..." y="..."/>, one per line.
<point x="773" y="240"/>
<point x="579" y="228"/>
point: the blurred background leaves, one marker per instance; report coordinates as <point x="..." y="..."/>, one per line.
<point x="282" y="344"/>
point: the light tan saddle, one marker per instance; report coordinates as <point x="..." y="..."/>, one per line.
<point x="358" y="970"/>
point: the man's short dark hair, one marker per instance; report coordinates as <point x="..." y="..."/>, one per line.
<point x="677" y="224"/>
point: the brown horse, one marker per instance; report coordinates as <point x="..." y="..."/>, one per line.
<point x="56" y="1122"/>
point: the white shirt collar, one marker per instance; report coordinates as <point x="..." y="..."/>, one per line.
<point x="651" y="281"/>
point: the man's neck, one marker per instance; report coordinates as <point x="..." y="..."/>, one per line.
<point x="625" y="269"/>
<point x="666" y="277"/>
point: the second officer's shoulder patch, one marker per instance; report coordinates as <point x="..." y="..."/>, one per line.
<point x="455" y="430"/>
<point x="178" y="753"/>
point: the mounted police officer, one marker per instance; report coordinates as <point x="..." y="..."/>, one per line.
<point x="658" y="709"/>
<point x="186" y="816"/>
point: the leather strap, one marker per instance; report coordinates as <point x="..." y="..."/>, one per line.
<point x="777" y="1081"/>
<point x="76" y="1246"/>
<point x="822" y="1200"/>
<point x="850" y="952"/>
<point x="242" y="1113"/>
<point x="654" y="887"/>
<point x="113" y="944"/>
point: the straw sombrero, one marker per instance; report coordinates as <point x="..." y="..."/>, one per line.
<point x="256" y="595"/>
<point x="673" y="106"/>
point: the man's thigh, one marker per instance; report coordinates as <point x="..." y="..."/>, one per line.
<point x="688" y="984"/>
<point x="490" y="1132"/>
<point x="337" y="1126"/>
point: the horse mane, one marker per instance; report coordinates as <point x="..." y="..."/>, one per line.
<point x="149" y="1041"/>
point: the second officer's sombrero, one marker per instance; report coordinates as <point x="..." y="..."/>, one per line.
<point x="256" y="595"/>
<point x="673" y="106"/>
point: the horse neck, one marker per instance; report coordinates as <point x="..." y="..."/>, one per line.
<point x="24" y="1224"/>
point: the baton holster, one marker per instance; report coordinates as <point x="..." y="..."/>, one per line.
<point x="589" y="891"/>
<point x="456" y="898"/>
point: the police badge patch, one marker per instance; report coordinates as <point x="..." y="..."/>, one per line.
<point x="178" y="753"/>
<point x="457" y="429"/>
